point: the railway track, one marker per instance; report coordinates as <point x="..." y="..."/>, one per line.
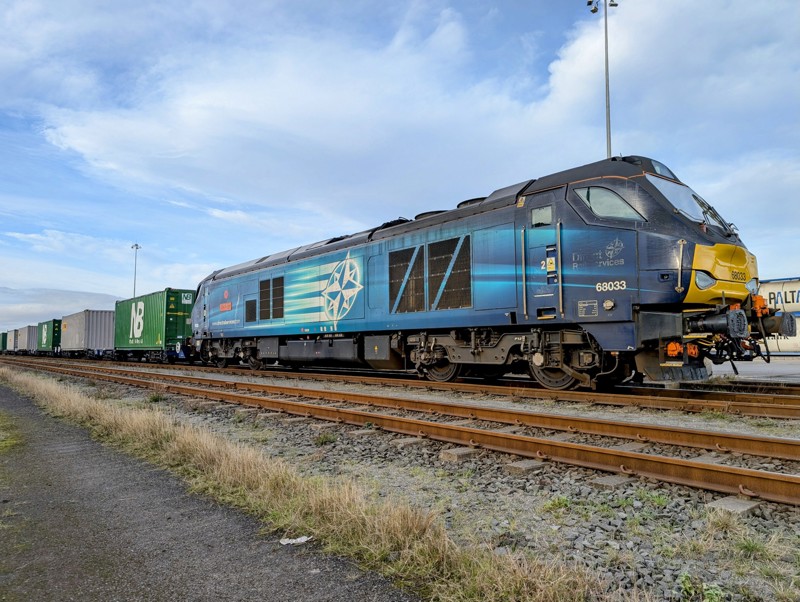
<point x="761" y="387"/>
<point x="696" y="399"/>
<point x="745" y="403"/>
<point x="534" y="435"/>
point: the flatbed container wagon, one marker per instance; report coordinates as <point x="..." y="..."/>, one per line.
<point x="26" y="342"/>
<point x="782" y="294"/>
<point x="88" y="333"/>
<point x="156" y="327"/>
<point x="48" y="338"/>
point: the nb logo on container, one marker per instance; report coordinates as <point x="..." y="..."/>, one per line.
<point x="137" y="319"/>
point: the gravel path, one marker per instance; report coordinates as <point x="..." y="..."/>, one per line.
<point x="79" y="521"/>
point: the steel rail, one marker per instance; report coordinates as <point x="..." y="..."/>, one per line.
<point x="773" y="447"/>
<point x="715" y="395"/>
<point x="752" y="483"/>
<point x="759" y="387"/>
<point x="764" y="406"/>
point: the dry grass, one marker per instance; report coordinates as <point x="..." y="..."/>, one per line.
<point x="408" y="544"/>
<point x="8" y="433"/>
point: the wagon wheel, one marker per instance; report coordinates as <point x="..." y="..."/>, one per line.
<point x="443" y="371"/>
<point x="254" y="363"/>
<point x="221" y="362"/>
<point x="554" y="378"/>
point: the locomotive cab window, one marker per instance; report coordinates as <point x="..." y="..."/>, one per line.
<point x="663" y="170"/>
<point x="542" y="216"/>
<point x="606" y="203"/>
<point x="686" y="201"/>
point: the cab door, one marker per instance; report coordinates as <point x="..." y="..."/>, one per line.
<point x="602" y="263"/>
<point x="542" y="273"/>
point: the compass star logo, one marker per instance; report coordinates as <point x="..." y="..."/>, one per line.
<point x="614" y="248"/>
<point x="342" y="289"/>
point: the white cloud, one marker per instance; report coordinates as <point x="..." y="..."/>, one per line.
<point x="117" y="280"/>
<point x="76" y="262"/>
<point x="28" y="307"/>
<point x="53" y="241"/>
<point x="730" y="93"/>
<point x="263" y="124"/>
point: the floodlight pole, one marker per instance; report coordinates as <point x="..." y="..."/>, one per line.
<point x="594" y="7"/>
<point x="608" y="86"/>
<point x="135" y="246"/>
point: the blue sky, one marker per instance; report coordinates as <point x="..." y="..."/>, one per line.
<point x="215" y="132"/>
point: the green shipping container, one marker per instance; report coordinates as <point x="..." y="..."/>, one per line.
<point x="154" y="326"/>
<point x="3" y="342"/>
<point x="49" y="337"/>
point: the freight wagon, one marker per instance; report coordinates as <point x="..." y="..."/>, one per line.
<point x="783" y="294"/>
<point x="26" y="341"/>
<point x="88" y="333"/>
<point x="154" y="327"/>
<point x="48" y="339"/>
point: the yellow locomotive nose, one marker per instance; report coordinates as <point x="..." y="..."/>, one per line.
<point x="721" y="274"/>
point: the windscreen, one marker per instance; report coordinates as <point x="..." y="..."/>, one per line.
<point x="688" y="202"/>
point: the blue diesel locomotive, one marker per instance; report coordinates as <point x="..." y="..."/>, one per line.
<point x="580" y="278"/>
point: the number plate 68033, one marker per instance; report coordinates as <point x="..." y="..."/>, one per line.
<point x="614" y="285"/>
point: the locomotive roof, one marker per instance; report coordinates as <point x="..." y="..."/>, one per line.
<point x="616" y="166"/>
<point x="626" y="167"/>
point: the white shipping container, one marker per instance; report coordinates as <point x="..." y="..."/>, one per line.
<point x="13" y="340"/>
<point x="783" y="295"/>
<point x="89" y="332"/>
<point x="26" y="342"/>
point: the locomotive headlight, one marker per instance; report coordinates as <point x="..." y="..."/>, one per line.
<point x="752" y="286"/>
<point x="703" y="280"/>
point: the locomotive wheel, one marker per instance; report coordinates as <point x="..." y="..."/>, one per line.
<point x="554" y="378"/>
<point x="221" y="362"/>
<point x="443" y="372"/>
<point x="254" y="363"/>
